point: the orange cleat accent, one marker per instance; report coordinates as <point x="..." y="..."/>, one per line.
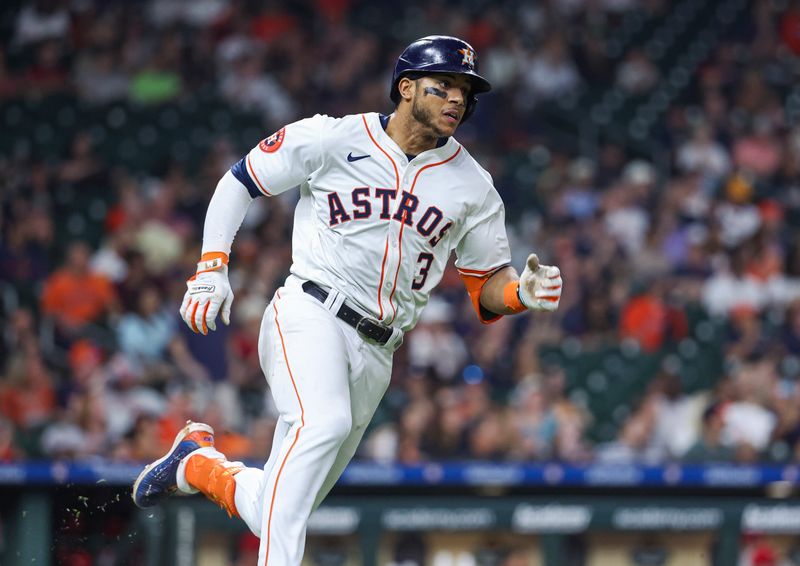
<point x="214" y="478"/>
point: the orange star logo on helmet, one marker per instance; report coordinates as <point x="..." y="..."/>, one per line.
<point x="272" y="143"/>
<point x="469" y="57"/>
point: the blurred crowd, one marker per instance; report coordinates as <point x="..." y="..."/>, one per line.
<point x="94" y="360"/>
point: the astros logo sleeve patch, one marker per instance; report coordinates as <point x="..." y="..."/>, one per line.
<point x="273" y="142"/>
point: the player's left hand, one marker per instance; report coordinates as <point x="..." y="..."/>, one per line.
<point x="207" y="294"/>
<point x="540" y="285"/>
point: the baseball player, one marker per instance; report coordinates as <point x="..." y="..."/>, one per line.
<point x="384" y="200"/>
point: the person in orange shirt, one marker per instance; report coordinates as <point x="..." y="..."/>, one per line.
<point x="649" y="320"/>
<point x="27" y="396"/>
<point x="73" y="295"/>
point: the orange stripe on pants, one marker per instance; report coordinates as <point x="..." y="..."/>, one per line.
<point x="296" y="436"/>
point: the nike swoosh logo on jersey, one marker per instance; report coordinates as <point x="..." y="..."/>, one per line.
<point x="351" y="157"/>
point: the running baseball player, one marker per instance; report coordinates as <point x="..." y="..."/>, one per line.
<point x="384" y="200"/>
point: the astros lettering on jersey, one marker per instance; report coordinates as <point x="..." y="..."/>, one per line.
<point x="371" y="223"/>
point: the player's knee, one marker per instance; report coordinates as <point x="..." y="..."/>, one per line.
<point x="333" y="428"/>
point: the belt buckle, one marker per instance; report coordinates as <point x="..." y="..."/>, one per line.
<point x="361" y="328"/>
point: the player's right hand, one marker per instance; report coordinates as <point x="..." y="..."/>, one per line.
<point x="207" y="293"/>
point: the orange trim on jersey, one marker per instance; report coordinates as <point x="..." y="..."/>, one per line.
<point x="403" y="225"/>
<point x="397" y="271"/>
<point x="433" y="165"/>
<point x="476" y="272"/>
<point x="396" y="188"/>
<point x="380" y="285"/>
<point x="474" y="285"/>
<point x="296" y="436"/>
<point x="255" y="178"/>
<point x="389" y="157"/>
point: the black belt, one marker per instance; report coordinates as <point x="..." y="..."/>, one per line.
<point x="368" y="327"/>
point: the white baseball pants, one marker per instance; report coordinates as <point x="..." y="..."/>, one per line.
<point x="326" y="382"/>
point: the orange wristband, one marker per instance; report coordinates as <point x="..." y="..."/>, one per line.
<point x="211" y="261"/>
<point x="511" y="297"/>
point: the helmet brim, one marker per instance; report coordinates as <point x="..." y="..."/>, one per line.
<point x="478" y="84"/>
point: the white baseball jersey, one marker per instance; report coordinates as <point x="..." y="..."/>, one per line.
<point x="372" y="224"/>
<point x="377" y="230"/>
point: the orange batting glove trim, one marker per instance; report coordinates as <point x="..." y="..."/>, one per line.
<point x="511" y="297"/>
<point x="194" y="312"/>
<point x="212" y="261"/>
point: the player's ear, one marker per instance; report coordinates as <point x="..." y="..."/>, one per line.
<point x="406" y="88"/>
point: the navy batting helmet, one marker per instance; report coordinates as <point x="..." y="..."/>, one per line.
<point x="440" y="54"/>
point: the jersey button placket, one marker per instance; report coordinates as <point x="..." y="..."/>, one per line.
<point x="404" y="186"/>
<point x="395" y="257"/>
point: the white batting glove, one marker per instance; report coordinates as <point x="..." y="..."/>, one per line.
<point x="207" y="293"/>
<point x="540" y="286"/>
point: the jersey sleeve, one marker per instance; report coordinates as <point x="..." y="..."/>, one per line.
<point x="283" y="160"/>
<point x="483" y="247"/>
<point x="482" y="250"/>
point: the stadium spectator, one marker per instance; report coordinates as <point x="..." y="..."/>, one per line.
<point x="790" y="27"/>
<point x="703" y="153"/>
<point x="434" y="345"/>
<point x="141" y="442"/>
<point x="446" y="435"/>
<point x="672" y="406"/>
<point x="637" y="74"/>
<point x="145" y="335"/>
<point x="9" y="452"/>
<point x="100" y="77"/>
<point x="648" y="320"/>
<point x="790" y="331"/>
<point x="74" y="296"/>
<point x="571" y="421"/>
<point x="592" y="318"/>
<point x="731" y="287"/>
<point x="625" y="206"/>
<point x="245" y="85"/>
<point x="550" y="73"/>
<point x="488" y="438"/>
<point x="709" y="447"/>
<point x="48" y="75"/>
<point x="633" y="444"/>
<point x="747" y="422"/>
<point x="533" y="423"/>
<point x="159" y="80"/>
<point x="41" y="20"/>
<point x="758" y="153"/>
<point x="27" y="394"/>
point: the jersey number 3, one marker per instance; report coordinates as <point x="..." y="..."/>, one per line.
<point x="426" y="260"/>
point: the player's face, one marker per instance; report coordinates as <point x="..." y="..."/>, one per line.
<point x="439" y="102"/>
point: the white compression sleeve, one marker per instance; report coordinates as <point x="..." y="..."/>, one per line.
<point x="225" y="214"/>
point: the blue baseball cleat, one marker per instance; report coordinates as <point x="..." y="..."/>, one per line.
<point x="159" y="479"/>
